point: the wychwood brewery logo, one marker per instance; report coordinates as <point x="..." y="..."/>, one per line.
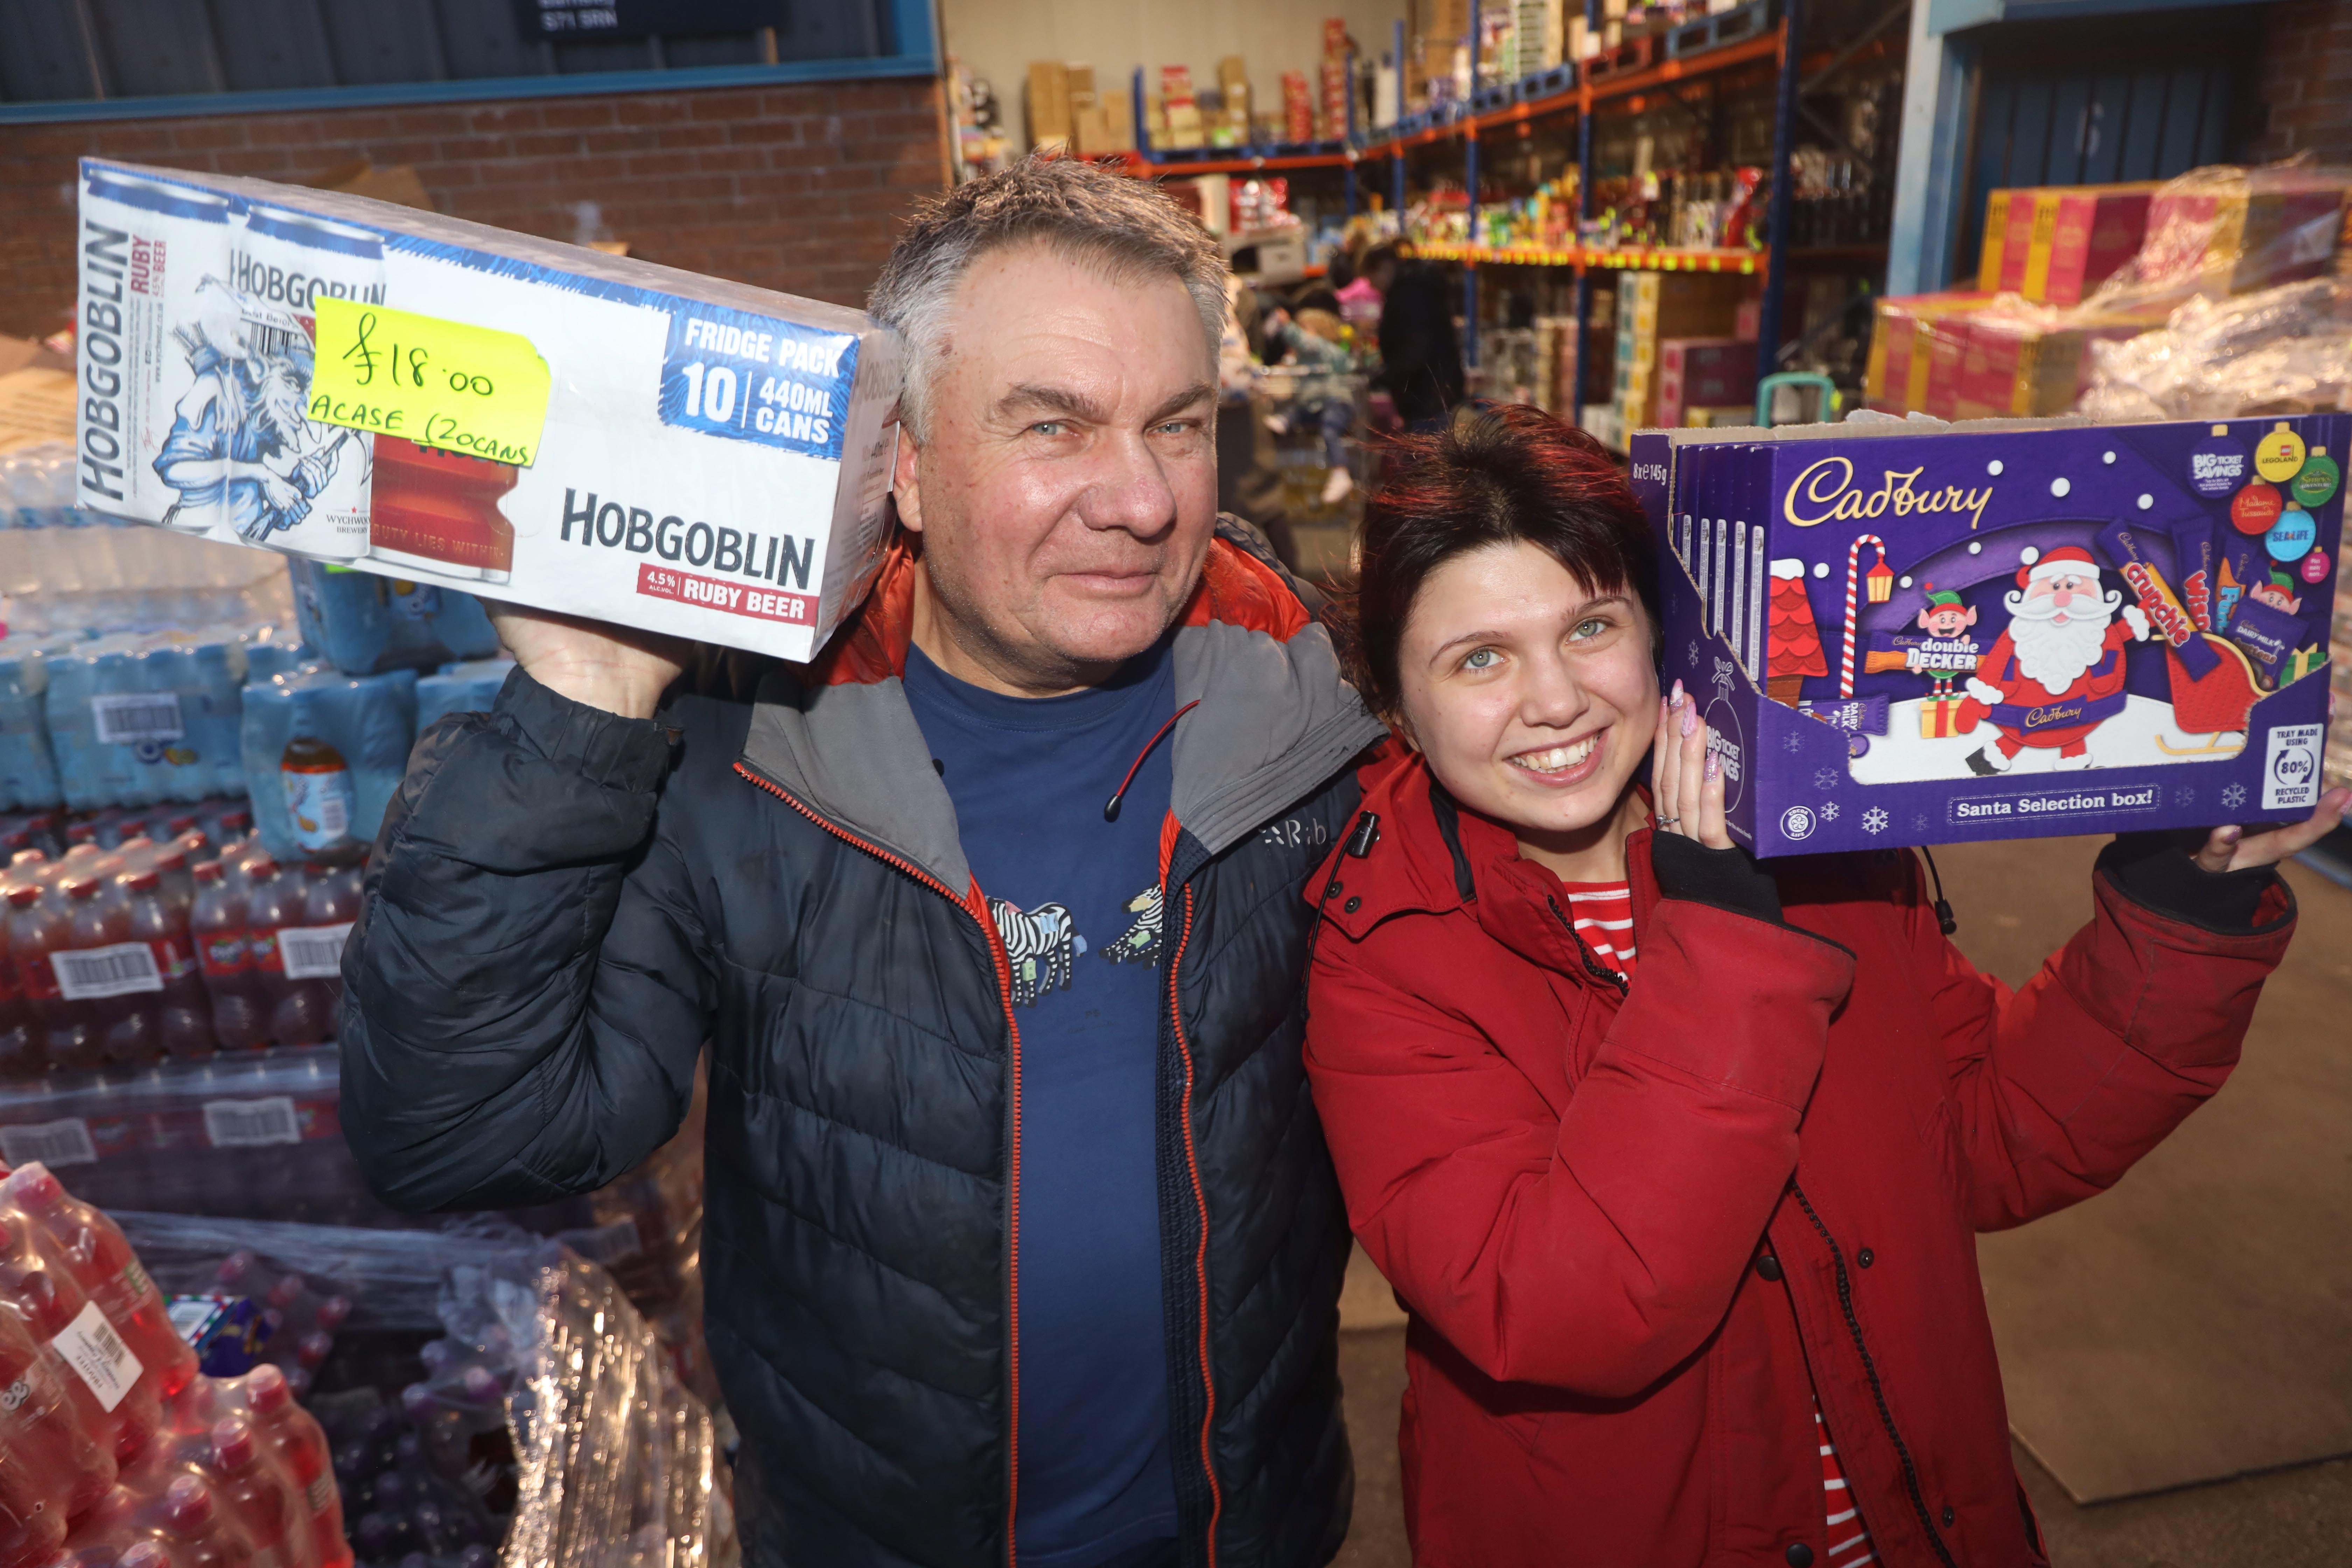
<point x="1827" y="494"/>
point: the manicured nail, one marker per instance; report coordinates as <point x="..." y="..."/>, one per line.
<point x="1690" y="717"/>
<point x="2231" y="834"/>
<point x="1713" y="765"/>
<point x="1678" y="695"/>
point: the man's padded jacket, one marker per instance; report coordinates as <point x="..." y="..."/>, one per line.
<point x="565" y="905"/>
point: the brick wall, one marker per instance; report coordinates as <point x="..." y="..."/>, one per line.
<point x="2305" y="81"/>
<point x="798" y="188"/>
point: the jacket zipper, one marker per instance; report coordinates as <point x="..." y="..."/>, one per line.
<point x="1013" y="1140"/>
<point x="1870" y="1371"/>
<point x="1201" y="1254"/>
<point x="1592" y="965"/>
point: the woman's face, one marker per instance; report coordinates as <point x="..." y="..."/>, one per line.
<point x="1532" y="695"/>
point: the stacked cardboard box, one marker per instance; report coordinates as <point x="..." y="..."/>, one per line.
<point x="1699" y="374"/>
<point x="2056" y="245"/>
<point x="1049" y="105"/>
<point x="1178" y="110"/>
<point x="1656" y="306"/>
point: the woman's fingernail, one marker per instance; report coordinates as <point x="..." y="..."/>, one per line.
<point x="1690" y="717"/>
<point x="1713" y="765"/>
<point x="2232" y="835"/>
<point x="1678" y="694"/>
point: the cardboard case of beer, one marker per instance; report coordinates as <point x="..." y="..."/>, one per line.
<point x="401" y="393"/>
<point x="1906" y="633"/>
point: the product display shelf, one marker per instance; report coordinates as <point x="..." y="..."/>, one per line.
<point x="1746" y="263"/>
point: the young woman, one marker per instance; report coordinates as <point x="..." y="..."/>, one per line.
<point x="1677" y="1159"/>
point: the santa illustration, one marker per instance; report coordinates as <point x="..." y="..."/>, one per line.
<point x="2057" y="673"/>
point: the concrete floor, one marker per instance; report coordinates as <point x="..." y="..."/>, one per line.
<point x="2294" y="1518"/>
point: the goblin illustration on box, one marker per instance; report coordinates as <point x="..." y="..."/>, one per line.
<point x="2050" y="621"/>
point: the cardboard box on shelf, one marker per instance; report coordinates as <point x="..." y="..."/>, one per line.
<point x="2082" y="235"/>
<point x="1861" y="610"/>
<point x="1701" y="372"/>
<point x="2229" y="231"/>
<point x="2031" y="362"/>
<point x="1108" y="127"/>
<point x="417" y="396"/>
<point x="1049" y="103"/>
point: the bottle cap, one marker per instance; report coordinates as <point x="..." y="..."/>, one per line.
<point x="233" y="1267"/>
<point x="23" y="897"/>
<point x="82" y="888"/>
<point x="35" y="1187"/>
<point x="232" y="1442"/>
<point x="266" y="1391"/>
<point x="282" y="1294"/>
<point x="173" y="858"/>
<point x="179" y="825"/>
<point x="237" y="822"/>
<point x="188" y="1504"/>
<point x="334" y="1311"/>
<point x="145" y="881"/>
<point x="261" y="867"/>
<point x="208" y="871"/>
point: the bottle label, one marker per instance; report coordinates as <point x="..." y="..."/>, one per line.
<point x="322" y="1493"/>
<point x="174" y="959"/>
<point x="53" y="1143"/>
<point x="96" y="1353"/>
<point x="262" y="947"/>
<point x="312" y="952"/>
<point x="91" y="973"/>
<point x="224" y="953"/>
<point x="252" y="1123"/>
<point x="136" y="1285"/>
<point x="320" y="804"/>
<point x="131" y="717"/>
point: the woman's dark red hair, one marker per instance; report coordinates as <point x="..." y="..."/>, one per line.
<point x="1502" y="474"/>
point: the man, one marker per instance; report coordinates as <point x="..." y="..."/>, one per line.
<point x="2057" y="672"/>
<point x="1021" y="1243"/>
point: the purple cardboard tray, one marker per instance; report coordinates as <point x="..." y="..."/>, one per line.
<point x="2002" y="630"/>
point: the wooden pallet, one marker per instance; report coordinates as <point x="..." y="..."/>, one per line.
<point x="1633" y="55"/>
<point x="1752" y="20"/>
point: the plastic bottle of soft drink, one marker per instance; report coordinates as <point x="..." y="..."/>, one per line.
<point x="330" y="904"/>
<point x="183" y="1013"/>
<point x="116" y="992"/>
<point x="216" y="924"/>
<point x="115" y="1405"/>
<point x="24" y="1050"/>
<point x="291" y="1433"/>
<point x="172" y="863"/>
<point x="48" y="1464"/>
<point x="199" y="1533"/>
<point x="296" y="1010"/>
<point x="100" y="1259"/>
<point x="37" y="929"/>
<point x="254" y="1489"/>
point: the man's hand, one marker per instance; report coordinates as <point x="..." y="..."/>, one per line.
<point x="2227" y="848"/>
<point x="602" y="665"/>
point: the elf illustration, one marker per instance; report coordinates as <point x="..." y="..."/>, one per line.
<point x="1948" y="653"/>
<point x="2057" y="672"/>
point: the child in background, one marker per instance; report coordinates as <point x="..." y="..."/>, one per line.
<point x="1316" y="341"/>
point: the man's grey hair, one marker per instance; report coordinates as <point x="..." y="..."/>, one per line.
<point x="1130" y="230"/>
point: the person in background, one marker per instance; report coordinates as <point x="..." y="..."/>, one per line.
<point x="1677" y="1159"/>
<point x="1316" y="341"/>
<point x="1367" y="284"/>
<point x="1021" y="1243"/>
<point x="1420" y="352"/>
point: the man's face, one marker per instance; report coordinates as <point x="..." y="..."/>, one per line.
<point x="1068" y="489"/>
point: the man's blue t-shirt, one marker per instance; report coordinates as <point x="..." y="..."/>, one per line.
<point x="1077" y="901"/>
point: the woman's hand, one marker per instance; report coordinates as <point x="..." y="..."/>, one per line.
<point x="1685" y="775"/>
<point x="2227" y="848"/>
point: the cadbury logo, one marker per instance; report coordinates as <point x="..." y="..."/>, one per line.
<point x="1826" y="493"/>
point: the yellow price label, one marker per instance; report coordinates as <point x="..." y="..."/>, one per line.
<point x="442" y="383"/>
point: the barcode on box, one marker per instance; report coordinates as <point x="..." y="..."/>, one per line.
<point x="312" y="952"/>
<point x="251" y="1123"/>
<point x="98" y="1355"/>
<point x="53" y="1143"/>
<point x="133" y="717"/>
<point x="98" y="971"/>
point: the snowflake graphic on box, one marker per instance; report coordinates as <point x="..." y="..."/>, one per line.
<point x="1874" y="821"/>
<point x="1830" y="810"/>
<point x="2234" y="796"/>
<point x="1795" y="743"/>
<point x="2184" y="795"/>
<point x="1919" y="821"/>
<point x="1694" y="653"/>
<point x="1825" y="778"/>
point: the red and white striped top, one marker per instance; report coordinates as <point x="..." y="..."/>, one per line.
<point x="1603" y="914"/>
<point x="1849" y="1537"/>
